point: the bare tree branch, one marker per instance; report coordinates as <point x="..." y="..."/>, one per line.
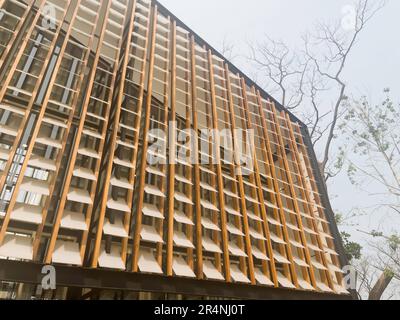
<point x="301" y="78"/>
<point x="228" y="50"/>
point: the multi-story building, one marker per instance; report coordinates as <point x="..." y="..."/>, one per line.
<point x="91" y="185"/>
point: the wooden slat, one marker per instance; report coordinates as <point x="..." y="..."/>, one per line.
<point x="259" y="189"/>
<point x="240" y="181"/>
<point x="189" y="176"/>
<point x="307" y="193"/>
<point x="110" y="160"/>
<point x="7" y="81"/>
<point x="196" y="168"/>
<point x="25" y="118"/>
<point x="219" y="173"/>
<point x="208" y="168"/>
<point x="38" y="124"/>
<point x="143" y="164"/>
<point x="16" y="32"/>
<point x="245" y="214"/>
<point x="61" y="153"/>
<point x="171" y="165"/>
<point x="74" y="154"/>
<point x="233" y="194"/>
<point x="270" y="160"/>
<point x="165" y="105"/>
<point x="295" y="203"/>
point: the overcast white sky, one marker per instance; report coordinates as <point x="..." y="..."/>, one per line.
<point x="374" y="64"/>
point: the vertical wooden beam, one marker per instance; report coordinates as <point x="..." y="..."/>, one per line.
<point x="74" y="151"/>
<point x="189" y="173"/>
<point x="140" y="100"/>
<point x="259" y="188"/>
<point x="7" y="81"/>
<point x="311" y="205"/>
<point x="166" y="105"/>
<point x="293" y="194"/>
<point x="270" y="160"/>
<point x="102" y="146"/>
<point x="141" y="89"/>
<point x="112" y="146"/>
<point x="196" y="168"/>
<point x="240" y="179"/>
<point x="306" y="194"/>
<point x="16" y="32"/>
<point x="132" y="171"/>
<point x="38" y="123"/>
<point x="172" y="155"/>
<point x="22" y="48"/>
<point x="220" y="184"/>
<point x="238" y="220"/>
<point x="45" y="210"/>
<point x="276" y="212"/>
<point x="143" y="164"/>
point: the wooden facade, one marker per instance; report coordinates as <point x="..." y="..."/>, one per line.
<point x="82" y="93"/>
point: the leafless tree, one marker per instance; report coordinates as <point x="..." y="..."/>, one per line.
<point x="284" y="68"/>
<point x="306" y="78"/>
<point x="337" y="43"/>
<point x="228" y="50"/>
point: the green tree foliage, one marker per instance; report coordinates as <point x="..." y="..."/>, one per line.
<point x="372" y="135"/>
<point x="353" y="249"/>
<point x="371" y="156"/>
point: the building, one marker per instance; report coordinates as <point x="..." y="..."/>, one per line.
<point x="84" y="86"/>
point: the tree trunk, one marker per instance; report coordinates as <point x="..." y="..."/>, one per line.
<point x="381" y="285"/>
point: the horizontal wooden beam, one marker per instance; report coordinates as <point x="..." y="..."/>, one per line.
<point x="66" y="276"/>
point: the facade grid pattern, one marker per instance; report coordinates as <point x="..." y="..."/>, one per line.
<point x="80" y="96"/>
